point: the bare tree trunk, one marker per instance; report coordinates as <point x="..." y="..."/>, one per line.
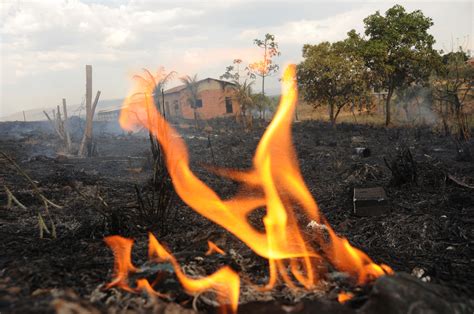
<point x="336" y="114"/>
<point x="59" y="122"/>
<point x="387" y="106"/>
<point x="331" y="112"/>
<point x="86" y="136"/>
<point x="196" y="118"/>
<point x="86" y="143"/>
<point x="66" y="127"/>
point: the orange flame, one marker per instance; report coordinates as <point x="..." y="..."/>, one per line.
<point x="225" y="282"/>
<point x="213" y="248"/>
<point x="343" y="297"/>
<point x="274" y="182"/>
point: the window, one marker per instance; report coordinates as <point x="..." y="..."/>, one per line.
<point x="177" y="112"/>
<point x="198" y="103"/>
<point x="228" y="105"/>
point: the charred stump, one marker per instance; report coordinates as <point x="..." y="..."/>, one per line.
<point x="403" y="168"/>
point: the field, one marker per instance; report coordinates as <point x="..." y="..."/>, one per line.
<point x="428" y="231"/>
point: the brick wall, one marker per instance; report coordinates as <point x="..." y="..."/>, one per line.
<point x="213" y="102"/>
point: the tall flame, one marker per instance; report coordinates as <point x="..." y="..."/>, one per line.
<point x="274" y="182"/>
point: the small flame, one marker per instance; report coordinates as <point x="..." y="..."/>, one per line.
<point x="213" y="248"/>
<point x="343" y="297"/>
<point x="274" y="182"/>
<point x="261" y="67"/>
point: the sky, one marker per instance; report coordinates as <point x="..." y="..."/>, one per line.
<point x="45" y="44"/>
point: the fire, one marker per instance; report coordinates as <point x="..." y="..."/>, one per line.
<point x="343" y="297"/>
<point x="261" y="66"/>
<point x="274" y="183"/>
<point x="213" y="248"/>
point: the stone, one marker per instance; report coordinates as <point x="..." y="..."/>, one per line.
<point x="402" y="293"/>
<point x="362" y="151"/>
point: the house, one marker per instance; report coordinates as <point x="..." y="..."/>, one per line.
<point x="215" y="99"/>
<point x="110" y="114"/>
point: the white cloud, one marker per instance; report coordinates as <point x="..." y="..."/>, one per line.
<point x="117" y="37"/>
<point x="312" y="31"/>
<point x="46" y="43"/>
<point x="55" y="28"/>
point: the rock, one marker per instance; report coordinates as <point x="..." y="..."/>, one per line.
<point x="362" y="151"/>
<point x="307" y="307"/>
<point x="402" y="293"/>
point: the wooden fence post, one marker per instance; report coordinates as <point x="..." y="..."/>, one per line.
<point x="66" y="127"/>
<point x="87" y="137"/>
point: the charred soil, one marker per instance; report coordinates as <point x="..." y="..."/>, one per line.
<point x="428" y="231"/>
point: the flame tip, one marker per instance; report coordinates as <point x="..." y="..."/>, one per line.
<point x="274" y="182"/>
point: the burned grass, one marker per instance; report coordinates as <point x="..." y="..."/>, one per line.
<point x="428" y="231"/>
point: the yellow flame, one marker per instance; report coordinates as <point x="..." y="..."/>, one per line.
<point x="274" y="182"/>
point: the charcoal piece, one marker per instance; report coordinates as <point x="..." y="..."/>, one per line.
<point x="403" y="293"/>
<point x="370" y="201"/>
<point x="403" y="168"/>
<point x="362" y="151"/>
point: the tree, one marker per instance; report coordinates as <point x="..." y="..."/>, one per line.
<point x="452" y="86"/>
<point x="154" y="199"/>
<point x="331" y="74"/>
<point x="232" y="72"/>
<point x="243" y="95"/>
<point x="265" y="67"/>
<point x="156" y="83"/>
<point x="261" y="102"/>
<point x="398" y="50"/>
<point x="191" y="85"/>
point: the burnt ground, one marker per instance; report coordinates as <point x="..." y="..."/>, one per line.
<point x="429" y="227"/>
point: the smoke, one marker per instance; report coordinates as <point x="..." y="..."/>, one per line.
<point x="414" y="105"/>
<point x="19" y="130"/>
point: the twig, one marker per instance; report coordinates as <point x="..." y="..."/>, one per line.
<point x="460" y="182"/>
<point x="46" y="201"/>
<point x="86" y="198"/>
<point x="12" y="198"/>
<point x="42" y="226"/>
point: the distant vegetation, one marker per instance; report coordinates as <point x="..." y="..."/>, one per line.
<point x="393" y="61"/>
<point x="393" y="58"/>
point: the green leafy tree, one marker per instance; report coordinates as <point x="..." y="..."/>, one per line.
<point x="157" y="84"/>
<point x="243" y="95"/>
<point x="265" y="67"/>
<point x="398" y="50"/>
<point x="191" y="85"/>
<point x="232" y="72"/>
<point x="261" y="102"/>
<point x="331" y="74"/>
